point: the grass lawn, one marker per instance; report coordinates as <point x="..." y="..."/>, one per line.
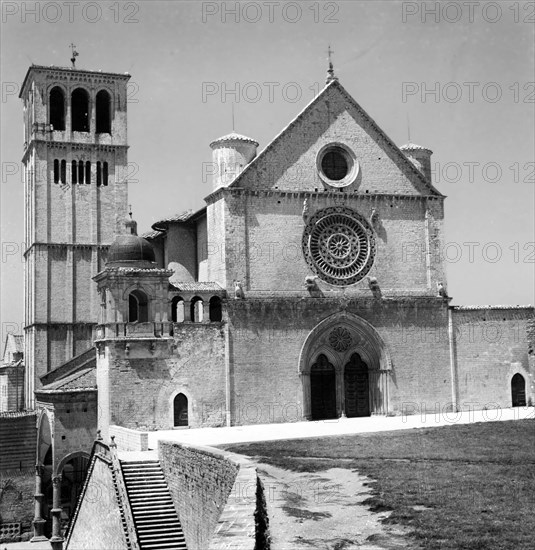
<point x="455" y="487"/>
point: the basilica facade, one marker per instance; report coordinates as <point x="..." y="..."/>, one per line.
<point x="310" y="285"/>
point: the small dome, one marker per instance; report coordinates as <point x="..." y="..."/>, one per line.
<point x="127" y="250"/>
<point x="413" y="147"/>
<point x="233" y="136"/>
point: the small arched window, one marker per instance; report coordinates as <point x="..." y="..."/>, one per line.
<point x="56" y="171"/>
<point x="80" y="110"/>
<point x="63" y="171"/>
<point x="103" y="104"/>
<point x="138" y="307"/>
<point x="57" y="108"/>
<point x="80" y="171"/>
<point x="87" y="172"/>
<point x="216" y="313"/>
<point x="99" y="174"/>
<point x="74" y="172"/>
<point x="177" y="310"/>
<point x="105" y="173"/>
<point x="196" y="310"/>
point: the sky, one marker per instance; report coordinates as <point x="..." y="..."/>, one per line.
<point x="460" y="79"/>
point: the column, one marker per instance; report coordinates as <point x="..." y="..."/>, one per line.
<point x="206" y="311"/>
<point x="38" y="521"/>
<point x="305" y="380"/>
<point x="56" y="539"/>
<point x="340" y="394"/>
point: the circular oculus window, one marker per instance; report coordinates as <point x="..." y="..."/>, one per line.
<point x="339" y="245"/>
<point x="337" y="165"/>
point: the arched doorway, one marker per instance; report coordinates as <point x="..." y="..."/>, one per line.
<point x="323" y="389"/>
<point x="180" y="410"/>
<point x="518" y="390"/>
<point x="350" y="344"/>
<point x="73" y="473"/>
<point x="356" y="386"/>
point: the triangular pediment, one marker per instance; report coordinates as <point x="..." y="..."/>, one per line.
<point x="289" y="162"/>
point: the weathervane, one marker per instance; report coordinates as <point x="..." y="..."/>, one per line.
<point x="330" y="71"/>
<point x="74" y="56"/>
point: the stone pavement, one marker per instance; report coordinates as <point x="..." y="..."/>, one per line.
<point x="341" y="426"/>
<point x="44" y="545"/>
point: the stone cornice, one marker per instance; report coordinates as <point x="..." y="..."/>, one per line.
<point x="99" y="246"/>
<point x="72" y="146"/>
<point x="77" y="75"/>
<point x="331" y="194"/>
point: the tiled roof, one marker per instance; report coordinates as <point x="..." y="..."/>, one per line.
<point x="197" y="286"/>
<point x="152" y="234"/>
<point x="233" y="136"/>
<point x="84" y="379"/>
<point x="161" y="225"/>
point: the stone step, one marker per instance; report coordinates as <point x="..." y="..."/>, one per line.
<point x="142" y="499"/>
<point x="161" y="544"/>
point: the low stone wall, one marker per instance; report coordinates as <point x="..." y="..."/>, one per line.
<point x="215" y="495"/>
<point x="130" y="440"/>
<point x="17" y="469"/>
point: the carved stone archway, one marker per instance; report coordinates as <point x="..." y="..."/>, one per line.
<point x="339" y="337"/>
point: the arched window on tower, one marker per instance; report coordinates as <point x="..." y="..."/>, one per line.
<point x="99" y="174"/>
<point x="80" y="171"/>
<point x="105" y="173"/>
<point x="103" y="103"/>
<point x="74" y="172"/>
<point x="196" y="310"/>
<point x="80" y="110"/>
<point x="56" y="171"/>
<point x="138" y="307"/>
<point x="216" y="313"/>
<point x="63" y="177"/>
<point x="87" y="172"/>
<point x="177" y="310"/>
<point x="57" y="108"/>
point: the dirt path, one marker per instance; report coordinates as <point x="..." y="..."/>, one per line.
<point x="323" y="510"/>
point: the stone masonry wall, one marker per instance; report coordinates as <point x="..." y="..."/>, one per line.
<point x="18" y="437"/>
<point x="201" y="480"/>
<point x="267" y="336"/>
<point x="98" y="524"/>
<point x="143" y="383"/>
<point x="491" y="346"/>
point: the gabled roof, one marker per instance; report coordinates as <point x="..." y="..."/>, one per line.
<point x="14" y="344"/>
<point x="335" y="84"/>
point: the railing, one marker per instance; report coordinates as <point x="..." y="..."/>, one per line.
<point x="134" y="330"/>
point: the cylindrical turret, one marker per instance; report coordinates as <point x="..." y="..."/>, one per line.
<point x="420" y="157"/>
<point x="231" y="153"/>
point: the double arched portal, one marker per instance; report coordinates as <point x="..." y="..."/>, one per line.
<point x="345" y="368"/>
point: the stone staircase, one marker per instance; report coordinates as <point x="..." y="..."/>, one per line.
<point x="154" y="514"/>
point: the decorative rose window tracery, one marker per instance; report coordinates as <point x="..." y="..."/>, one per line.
<point x="340" y="339"/>
<point x="339" y="245"/>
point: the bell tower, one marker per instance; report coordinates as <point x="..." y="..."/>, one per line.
<point x="75" y="173"/>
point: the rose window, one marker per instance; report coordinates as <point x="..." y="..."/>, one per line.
<point x="340" y="339"/>
<point x="339" y="245"/>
